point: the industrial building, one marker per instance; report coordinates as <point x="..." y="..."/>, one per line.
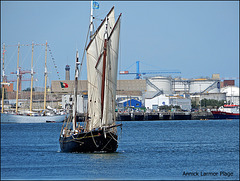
<point x="129" y="103"/>
<point x="124" y="87"/>
<point x="232" y="94"/>
<point x="149" y="92"/>
<point x="67" y="103"/>
<point x="165" y="100"/>
<point x="156" y="90"/>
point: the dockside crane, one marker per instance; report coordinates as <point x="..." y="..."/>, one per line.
<point x="138" y="73"/>
<point x="21" y="73"/>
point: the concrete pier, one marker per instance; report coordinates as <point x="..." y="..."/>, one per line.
<point x="141" y="116"/>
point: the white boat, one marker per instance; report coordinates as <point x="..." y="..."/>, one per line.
<point x="14" y="118"/>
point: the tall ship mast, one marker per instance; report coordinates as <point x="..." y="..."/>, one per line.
<point x="99" y="132"/>
<point x="28" y="116"/>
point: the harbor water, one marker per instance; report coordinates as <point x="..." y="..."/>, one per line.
<point x="162" y="150"/>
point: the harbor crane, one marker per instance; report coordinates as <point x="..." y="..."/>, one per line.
<point x="139" y="74"/>
<point x="21" y="73"/>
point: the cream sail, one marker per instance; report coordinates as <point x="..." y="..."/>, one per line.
<point x="95" y="49"/>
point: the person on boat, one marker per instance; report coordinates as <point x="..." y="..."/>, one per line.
<point x="81" y="128"/>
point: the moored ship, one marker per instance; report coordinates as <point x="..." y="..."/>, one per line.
<point x="227" y="112"/>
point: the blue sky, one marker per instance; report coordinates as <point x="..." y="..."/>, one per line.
<point x="198" y="38"/>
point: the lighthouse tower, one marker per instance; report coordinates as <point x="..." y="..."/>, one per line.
<point x="67" y="75"/>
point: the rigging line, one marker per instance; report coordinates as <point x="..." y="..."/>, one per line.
<point x="27" y="54"/>
<point x="113" y="137"/>
<point x="130" y="66"/>
<point x="68" y="120"/>
<point x="6" y="62"/>
<point x="107" y="144"/>
<point x="94" y="140"/>
<point x="155" y="67"/>
<point x="64" y="122"/>
<point x="98" y="16"/>
<point x="53" y="61"/>
<point x="120" y="62"/>
<point x="84" y="50"/>
<point x="35" y="63"/>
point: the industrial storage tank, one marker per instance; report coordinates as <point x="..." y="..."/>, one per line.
<point x="231" y="91"/>
<point x="232" y="94"/>
<point x="160" y="83"/>
<point x="204" y="86"/>
<point x="180" y="86"/>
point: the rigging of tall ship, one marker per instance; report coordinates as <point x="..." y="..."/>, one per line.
<point x="30" y="116"/>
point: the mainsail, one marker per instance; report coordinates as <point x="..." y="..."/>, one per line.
<point x="102" y="113"/>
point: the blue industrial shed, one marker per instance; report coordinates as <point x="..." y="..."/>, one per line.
<point x="130" y="102"/>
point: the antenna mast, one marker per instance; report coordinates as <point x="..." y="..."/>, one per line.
<point x="75" y="94"/>
<point x="45" y="74"/>
<point x="104" y="67"/>
<point x="3" y="78"/>
<point x="17" y="78"/>
<point x="91" y="21"/>
<point x="31" y="79"/>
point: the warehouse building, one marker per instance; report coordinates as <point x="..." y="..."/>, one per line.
<point x="155" y="88"/>
<point x="165" y="100"/>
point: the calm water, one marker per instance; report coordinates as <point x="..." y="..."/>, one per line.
<point x="147" y="150"/>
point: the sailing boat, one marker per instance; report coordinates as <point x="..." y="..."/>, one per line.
<point x="30" y="117"/>
<point x="99" y="132"/>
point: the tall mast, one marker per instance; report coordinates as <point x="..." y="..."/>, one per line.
<point x="17" y="78"/>
<point x="3" y="78"/>
<point x="104" y="68"/>
<point x="91" y="21"/>
<point x="75" y="94"/>
<point x="45" y="74"/>
<point x="31" y="79"/>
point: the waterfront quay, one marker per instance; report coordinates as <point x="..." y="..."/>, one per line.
<point x="151" y="116"/>
<point x="148" y="116"/>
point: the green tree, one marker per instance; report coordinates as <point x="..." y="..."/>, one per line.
<point x="194" y="105"/>
<point x="206" y="103"/>
<point x="28" y="89"/>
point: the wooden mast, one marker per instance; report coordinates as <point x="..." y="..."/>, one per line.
<point x="17" y="78"/>
<point x="31" y="80"/>
<point x="75" y="94"/>
<point x="91" y="21"/>
<point x="104" y="70"/>
<point x="3" y="78"/>
<point x="45" y="74"/>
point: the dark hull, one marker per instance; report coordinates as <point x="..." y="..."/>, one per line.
<point x="89" y="142"/>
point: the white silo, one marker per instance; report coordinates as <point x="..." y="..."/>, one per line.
<point x="232" y="94"/>
<point x="160" y="83"/>
<point x="204" y="86"/>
